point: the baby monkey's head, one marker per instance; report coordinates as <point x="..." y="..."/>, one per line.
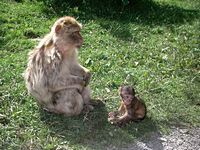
<point x="127" y="94"/>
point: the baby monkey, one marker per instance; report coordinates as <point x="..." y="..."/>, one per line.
<point x="131" y="108"/>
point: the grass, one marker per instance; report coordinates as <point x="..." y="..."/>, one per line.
<point x="151" y="44"/>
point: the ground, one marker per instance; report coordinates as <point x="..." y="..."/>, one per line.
<point x="178" y="139"/>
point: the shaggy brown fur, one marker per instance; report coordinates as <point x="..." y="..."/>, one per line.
<point x="53" y="74"/>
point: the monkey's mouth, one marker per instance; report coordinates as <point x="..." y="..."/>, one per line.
<point x="127" y="102"/>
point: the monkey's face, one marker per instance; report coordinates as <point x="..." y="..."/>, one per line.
<point x="72" y="37"/>
<point x="127" y="99"/>
<point x="127" y="94"/>
<point x="68" y="31"/>
<point x="76" y="39"/>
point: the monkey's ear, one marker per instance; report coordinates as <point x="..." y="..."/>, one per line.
<point x="80" y="25"/>
<point x="58" y="28"/>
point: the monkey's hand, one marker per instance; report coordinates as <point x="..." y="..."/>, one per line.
<point x="76" y="81"/>
<point x="86" y="77"/>
<point x="79" y="70"/>
<point x="113" y="120"/>
<point x="112" y="114"/>
<point x="112" y="117"/>
<point x="120" y="120"/>
<point x="87" y="108"/>
<point x="68" y="82"/>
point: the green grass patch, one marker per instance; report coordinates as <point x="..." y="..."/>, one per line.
<point x="150" y="44"/>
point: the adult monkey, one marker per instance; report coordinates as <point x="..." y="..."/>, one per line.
<point x="53" y="74"/>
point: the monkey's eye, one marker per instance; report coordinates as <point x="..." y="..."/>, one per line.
<point x="66" y="23"/>
<point x="127" y="97"/>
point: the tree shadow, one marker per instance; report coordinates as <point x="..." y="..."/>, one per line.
<point x="93" y="131"/>
<point x="115" y="17"/>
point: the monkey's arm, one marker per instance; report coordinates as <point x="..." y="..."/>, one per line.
<point x="121" y="120"/>
<point x="124" y="119"/>
<point x="120" y="111"/>
<point x="68" y="82"/>
<point x="81" y="71"/>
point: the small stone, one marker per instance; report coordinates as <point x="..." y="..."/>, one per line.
<point x="179" y="141"/>
<point x="163" y="139"/>
<point x="184" y="131"/>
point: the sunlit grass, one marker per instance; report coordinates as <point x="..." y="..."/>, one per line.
<point x="152" y="45"/>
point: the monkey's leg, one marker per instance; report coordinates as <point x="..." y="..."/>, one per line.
<point x="139" y="114"/>
<point x="138" y="117"/>
<point x="86" y="95"/>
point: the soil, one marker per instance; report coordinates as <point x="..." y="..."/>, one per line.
<point x="178" y="139"/>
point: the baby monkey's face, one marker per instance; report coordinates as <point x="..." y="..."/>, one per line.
<point x="127" y="94"/>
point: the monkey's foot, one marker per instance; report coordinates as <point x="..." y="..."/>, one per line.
<point x="87" y="108"/>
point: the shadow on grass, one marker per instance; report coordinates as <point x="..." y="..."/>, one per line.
<point x="93" y="131"/>
<point x="115" y="17"/>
